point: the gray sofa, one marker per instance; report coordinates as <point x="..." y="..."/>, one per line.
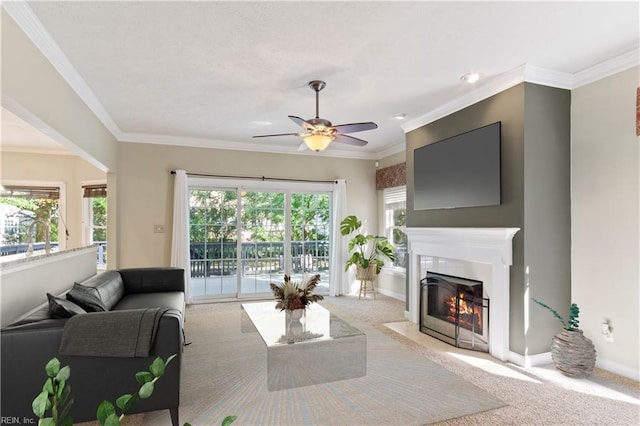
<point x="27" y="345"/>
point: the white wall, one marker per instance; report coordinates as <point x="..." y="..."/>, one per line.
<point x="25" y="284"/>
<point x="145" y="189"/>
<point x="605" y="216"/>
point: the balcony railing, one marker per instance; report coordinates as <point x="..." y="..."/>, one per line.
<point x="219" y="259"/>
<point x="10" y="249"/>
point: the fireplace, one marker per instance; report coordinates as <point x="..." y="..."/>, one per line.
<point x="454" y="310"/>
<point x="483" y="254"/>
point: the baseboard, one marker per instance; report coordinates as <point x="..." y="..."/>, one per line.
<point x="545" y="358"/>
<point x="529" y="360"/>
<point x="395" y="295"/>
<point x="619" y="369"/>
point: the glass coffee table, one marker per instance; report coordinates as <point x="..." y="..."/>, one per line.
<point x="317" y="348"/>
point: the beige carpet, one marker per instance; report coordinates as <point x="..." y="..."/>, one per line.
<point x="224" y="372"/>
<point x="533" y="396"/>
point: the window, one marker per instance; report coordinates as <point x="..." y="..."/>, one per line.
<point x="22" y="203"/>
<point x="395" y="216"/>
<point x="10" y="230"/>
<point x="95" y="219"/>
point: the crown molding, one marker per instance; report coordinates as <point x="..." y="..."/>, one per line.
<point x="394" y="149"/>
<point x="191" y="142"/>
<point x="530" y="74"/>
<point x="547" y="77"/>
<point x="492" y="86"/>
<point x="36" y="151"/>
<point x="607" y="68"/>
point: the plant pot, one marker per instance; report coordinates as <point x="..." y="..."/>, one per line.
<point x="366" y="274"/>
<point x="572" y="353"/>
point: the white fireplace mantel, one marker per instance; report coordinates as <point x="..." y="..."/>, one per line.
<point x="491" y="246"/>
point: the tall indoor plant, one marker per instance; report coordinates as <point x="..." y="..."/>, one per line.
<point x="572" y="353"/>
<point x="368" y="252"/>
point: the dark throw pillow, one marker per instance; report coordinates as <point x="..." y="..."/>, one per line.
<point x="86" y="297"/>
<point x="62" y="308"/>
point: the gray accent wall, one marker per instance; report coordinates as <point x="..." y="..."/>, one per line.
<point x="535" y="198"/>
<point x="547" y="212"/>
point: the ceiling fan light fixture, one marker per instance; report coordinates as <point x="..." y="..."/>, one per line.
<point x="317" y="142"/>
<point x="319" y="133"/>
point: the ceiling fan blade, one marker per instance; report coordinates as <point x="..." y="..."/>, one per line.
<point x="277" y="134"/>
<point x="301" y="122"/>
<point x="355" y="127"/>
<point x="349" y="140"/>
<point x="302" y="146"/>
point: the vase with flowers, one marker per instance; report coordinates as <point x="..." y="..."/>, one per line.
<point x="291" y="296"/>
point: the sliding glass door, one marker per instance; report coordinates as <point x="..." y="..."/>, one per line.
<point x="243" y="239"/>
<point x="263" y="238"/>
<point x="310" y="231"/>
<point x="213" y="242"/>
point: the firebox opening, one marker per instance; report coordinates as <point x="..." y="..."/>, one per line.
<point x="453" y="310"/>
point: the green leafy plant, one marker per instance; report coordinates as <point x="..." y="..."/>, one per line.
<point x="290" y="295"/>
<point x="574" y="312"/>
<point x="107" y="413"/>
<point x="55" y="397"/>
<point x="227" y="420"/>
<point x="365" y="249"/>
<point x="56" y="392"/>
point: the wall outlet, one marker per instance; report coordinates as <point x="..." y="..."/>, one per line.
<point x="158" y="229"/>
<point x="607" y="331"/>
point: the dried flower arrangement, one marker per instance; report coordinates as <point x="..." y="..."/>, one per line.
<point x="290" y="295"/>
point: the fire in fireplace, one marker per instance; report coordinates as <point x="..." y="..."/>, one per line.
<point x="453" y="310"/>
<point x="452" y="301"/>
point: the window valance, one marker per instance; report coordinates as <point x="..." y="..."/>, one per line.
<point x="93" y="191"/>
<point x="31" y="192"/>
<point x="391" y="176"/>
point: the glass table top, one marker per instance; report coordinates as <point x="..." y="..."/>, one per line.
<point x="276" y="327"/>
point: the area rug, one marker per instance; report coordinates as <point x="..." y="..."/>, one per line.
<point x="224" y="373"/>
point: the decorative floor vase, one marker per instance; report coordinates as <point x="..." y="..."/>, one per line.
<point x="572" y="353"/>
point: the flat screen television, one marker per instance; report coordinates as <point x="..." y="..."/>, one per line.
<point x="461" y="171"/>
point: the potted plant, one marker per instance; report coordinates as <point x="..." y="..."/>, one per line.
<point x="368" y="252"/>
<point x="572" y="353"/>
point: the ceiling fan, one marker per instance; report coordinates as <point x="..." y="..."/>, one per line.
<point x="319" y="133"/>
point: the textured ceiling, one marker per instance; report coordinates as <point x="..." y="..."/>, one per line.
<point x="216" y="73"/>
